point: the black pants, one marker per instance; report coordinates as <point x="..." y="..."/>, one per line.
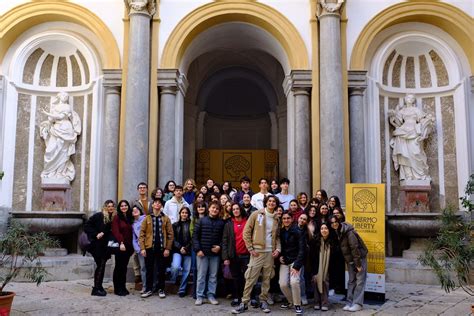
<point x="120" y="271"/>
<point x="238" y="266"/>
<point x="155" y="258"/>
<point x="337" y="271"/>
<point x="100" y="261"/>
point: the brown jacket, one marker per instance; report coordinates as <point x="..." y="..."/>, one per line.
<point x="254" y="232"/>
<point x="146" y="233"/>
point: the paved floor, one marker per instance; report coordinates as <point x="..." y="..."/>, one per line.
<point x="73" y="298"/>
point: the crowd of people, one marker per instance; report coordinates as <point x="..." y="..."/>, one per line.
<point x="254" y="246"/>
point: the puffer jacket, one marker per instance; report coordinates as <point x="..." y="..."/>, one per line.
<point x="207" y="233"/>
<point x="293" y="246"/>
<point x="352" y="246"/>
<point x="182" y="236"/>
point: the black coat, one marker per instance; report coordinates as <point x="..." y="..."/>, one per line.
<point x="207" y="233"/>
<point x="182" y="237"/>
<point x="293" y="246"/>
<point x="95" y="225"/>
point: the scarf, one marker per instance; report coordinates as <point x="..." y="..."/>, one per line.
<point x="324" y="252"/>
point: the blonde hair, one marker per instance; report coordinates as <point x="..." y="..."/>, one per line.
<point x="107" y="216"/>
<point x="194" y="185"/>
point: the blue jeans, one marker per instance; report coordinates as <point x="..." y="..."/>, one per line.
<point x="207" y="266"/>
<point x="141" y="260"/>
<point x="180" y="261"/>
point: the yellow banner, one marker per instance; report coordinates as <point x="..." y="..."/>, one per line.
<point x="365" y="211"/>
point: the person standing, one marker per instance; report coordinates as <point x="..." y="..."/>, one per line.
<point x="190" y="191"/>
<point x="98" y="229"/>
<point x="319" y="264"/>
<point x="207" y="240"/>
<point x="234" y="252"/>
<point x="173" y="205"/>
<point x="261" y="236"/>
<point x="156" y="241"/>
<point x="355" y="254"/>
<point x="284" y="196"/>
<point x="257" y="198"/>
<point x="182" y="245"/>
<point x="122" y="231"/>
<point x="138" y="218"/>
<point x="246" y="205"/>
<point x="293" y="247"/>
<point x="245" y="188"/>
<point x="169" y="190"/>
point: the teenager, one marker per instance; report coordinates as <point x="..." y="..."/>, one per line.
<point x="323" y="214"/>
<point x="303" y="226"/>
<point x="274" y="187"/>
<point x="122" y="231"/>
<point x="322" y="196"/>
<point x="303" y="201"/>
<point x="199" y="211"/>
<point x="355" y="254"/>
<point x="293" y="246"/>
<point x="157" y="193"/>
<point x="138" y="218"/>
<point x="173" y="205"/>
<point x="284" y="196"/>
<point x="333" y="203"/>
<point x="234" y="253"/>
<point x="168" y="190"/>
<point x="337" y="271"/>
<point x="98" y="229"/>
<point x="294" y="210"/>
<point x="247" y="205"/>
<point x="227" y="189"/>
<point x="182" y="245"/>
<point x="261" y="236"/>
<point x="207" y="239"/>
<point x="156" y="241"/>
<point x="320" y="247"/>
<point x="244" y="188"/>
<point x="257" y="198"/>
<point x="190" y="191"/>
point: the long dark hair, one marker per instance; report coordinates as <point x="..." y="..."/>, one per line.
<point x="195" y="207"/>
<point x="128" y="217"/>
<point x="166" y="190"/>
<point x="243" y="213"/>
<point x="337" y="200"/>
<point x="187" y="210"/>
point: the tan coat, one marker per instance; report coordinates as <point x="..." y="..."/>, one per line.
<point x="254" y="233"/>
<point x="146" y="233"/>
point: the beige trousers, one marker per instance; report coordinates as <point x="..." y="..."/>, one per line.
<point x="290" y="285"/>
<point x="261" y="264"/>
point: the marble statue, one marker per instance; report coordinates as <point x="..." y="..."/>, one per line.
<point x="60" y="133"/>
<point x="412" y="127"/>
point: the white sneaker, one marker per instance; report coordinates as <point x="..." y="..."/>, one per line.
<point x="347" y="307"/>
<point x="355" y="308"/>
<point x="198" y="301"/>
<point x="331" y="293"/>
<point x="147" y="294"/>
<point x="304" y="301"/>
<point x="212" y="300"/>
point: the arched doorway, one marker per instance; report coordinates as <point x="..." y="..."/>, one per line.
<point x="235" y="66"/>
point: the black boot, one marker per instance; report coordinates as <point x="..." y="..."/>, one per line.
<point x="98" y="292"/>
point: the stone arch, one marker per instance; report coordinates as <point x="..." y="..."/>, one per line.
<point x="253" y="13"/>
<point x="445" y="16"/>
<point x="19" y="19"/>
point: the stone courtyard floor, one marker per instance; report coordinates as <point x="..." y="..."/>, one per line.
<point x="73" y="298"/>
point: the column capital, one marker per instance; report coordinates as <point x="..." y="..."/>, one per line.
<point x="298" y="81"/>
<point x="329" y="8"/>
<point x="357" y="81"/>
<point x="145" y="7"/>
<point x="172" y="78"/>
<point x="112" y="78"/>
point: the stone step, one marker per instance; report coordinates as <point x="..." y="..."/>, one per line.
<point x="404" y="270"/>
<point x="55" y="252"/>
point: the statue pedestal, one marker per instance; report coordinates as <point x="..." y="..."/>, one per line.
<point x="56" y="197"/>
<point x="414" y="196"/>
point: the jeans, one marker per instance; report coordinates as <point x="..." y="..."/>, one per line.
<point x="302" y="283"/>
<point x="207" y="266"/>
<point x="184" y="262"/>
<point x="141" y="261"/>
<point x="290" y="285"/>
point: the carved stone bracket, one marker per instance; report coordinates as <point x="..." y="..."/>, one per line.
<point x="357" y="81"/>
<point x="147" y="7"/>
<point x="328" y="7"/>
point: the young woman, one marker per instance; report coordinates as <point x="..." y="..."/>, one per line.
<point x="227" y="189"/>
<point x="294" y="210"/>
<point x="122" y="232"/>
<point x="223" y="199"/>
<point x="157" y="193"/>
<point x="293" y="244"/>
<point x="320" y="247"/>
<point x="190" y="191"/>
<point x="323" y="214"/>
<point x="203" y="190"/>
<point x="247" y="205"/>
<point x="338" y="212"/>
<point x="333" y="203"/>
<point x="98" y="229"/>
<point x="216" y="188"/>
<point x="200" y="198"/>
<point x="138" y="218"/>
<point x="169" y="189"/>
<point x="274" y="187"/>
<point x="337" y="273"/>
<point x="214" y="197"/>
<point x="182" y="245"/>
<point x="227" y="211"/>
<point x="312" y="213"/>
<point x="302" y="200"/>
<point x="234" y="251"/>
<point x="322" y="196"/>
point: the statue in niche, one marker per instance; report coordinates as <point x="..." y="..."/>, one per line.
<point x="412" y="127"/>
<point x="60" y="133"/>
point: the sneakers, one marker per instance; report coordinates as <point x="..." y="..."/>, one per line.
<point x="347" y="307"/>
<point x="298" y="310"/>
<point x="304" y="301"/>
<point x="355" y="308"/>
<point x="270" y="300"/>
<point x="240" y="309"/>
<point x="317" y="307"/>
<point x="235" y="302"/>
<point x="286" y="305"/>
<point x="264" y="307"/>
<point x="198" y="301"/>
<point x="212" y="300"/>
<point x="331" y="293"/>
<point x="161" y="294"/>
<point x="147" y="294"/>
<point x="324" y="308"/>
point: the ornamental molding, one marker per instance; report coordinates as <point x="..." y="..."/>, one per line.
<point x="147" y="7"/>
<point x="329" y="7"/>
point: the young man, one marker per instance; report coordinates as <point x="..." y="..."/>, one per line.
<point x="284" y="196"/>
<point x="261" y="236"/>
<point x="207" y="240"/>
<point x="257" y="199"/>
<point x="156" y="241"/>
<point x="173" y="206"/>
<point x="245" y="188"/>
<point x="143" y="203"/>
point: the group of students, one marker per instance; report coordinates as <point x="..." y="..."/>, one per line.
<point x="298" y="246"/>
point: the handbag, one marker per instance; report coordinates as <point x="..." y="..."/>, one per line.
<point x="84" y="243"/>
<point x="113" y="243"/>
<point x="226" y="272"/>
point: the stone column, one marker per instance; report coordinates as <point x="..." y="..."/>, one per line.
<point x="297" y="86"/>
<point x="331" y="99"/>
<point x="357" y="86"/>
<point x="112" y="88"/>
<point x="135" y="164"/>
